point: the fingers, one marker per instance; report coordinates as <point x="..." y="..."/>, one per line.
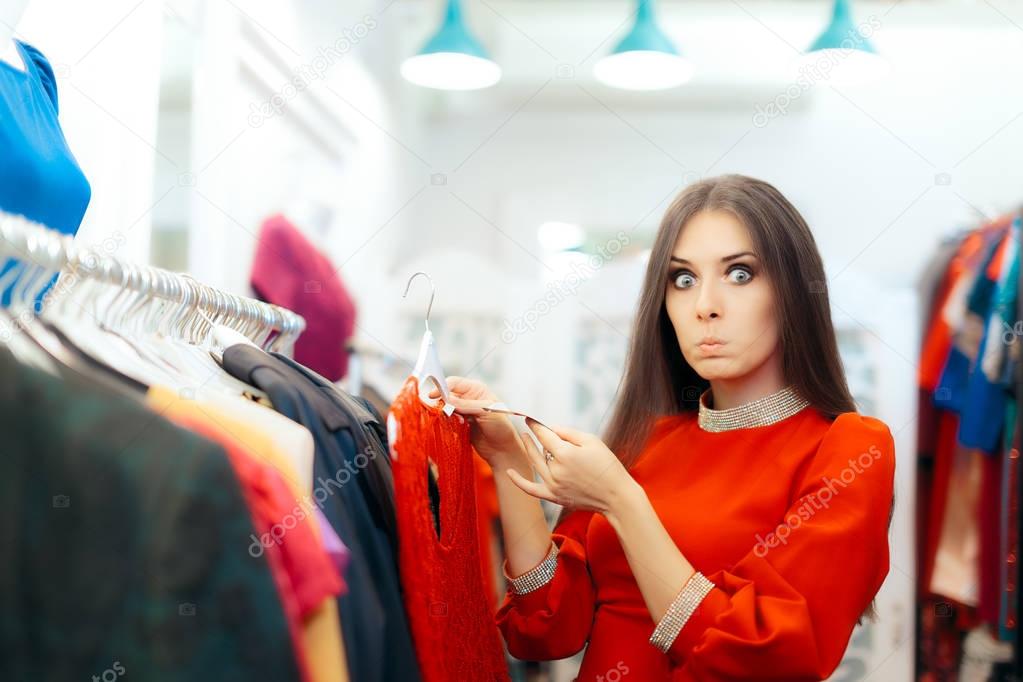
<point x="465" y="389"/>
<point x="547" y="437"/>
<point x="467" y="407"/>
<point x="454" y="386"/>
<point x="535" y="489"/>
<point x="464" y="406"/>
<point x="538" y="461"/>
<point x="573" y="436"/>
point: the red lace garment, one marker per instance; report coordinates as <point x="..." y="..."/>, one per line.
<point x="448" y="607"/>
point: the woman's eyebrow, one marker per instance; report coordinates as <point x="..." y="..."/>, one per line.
<point x="723" y="260"/>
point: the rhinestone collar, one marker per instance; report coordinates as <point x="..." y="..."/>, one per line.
<point x="760" y="412"/>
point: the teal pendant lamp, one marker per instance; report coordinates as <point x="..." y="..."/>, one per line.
<point x="452" y="59"/>
<point x="645" y="59"/>
<point x="854" y="57"/>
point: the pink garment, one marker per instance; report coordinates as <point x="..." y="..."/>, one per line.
<point x="290" y="271"/>
<point x="334" y="546"/>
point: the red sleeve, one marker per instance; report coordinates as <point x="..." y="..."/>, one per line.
<point x="314" y="576"/>
<point x="790" y="604"/>
<point x="554" y="621"/>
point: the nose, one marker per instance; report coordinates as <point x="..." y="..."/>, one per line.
<point x="708" y="306"/>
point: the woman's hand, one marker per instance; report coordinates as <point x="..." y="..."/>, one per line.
<point x="492" y="434"/>
<point x="583" y="473"/>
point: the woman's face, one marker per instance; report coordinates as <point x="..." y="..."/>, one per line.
<point x="719" y="299"/>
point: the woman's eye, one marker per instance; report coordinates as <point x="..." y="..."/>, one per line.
<point x="740" y="274"/>
<point x="684" y="280"/>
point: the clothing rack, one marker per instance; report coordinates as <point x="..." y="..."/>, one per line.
<point x="48" y="250"/>
<point x="1017" y="664"/>
<point x="937" y="639"/>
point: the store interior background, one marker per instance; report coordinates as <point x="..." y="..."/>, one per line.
<point x="162" y="103"/>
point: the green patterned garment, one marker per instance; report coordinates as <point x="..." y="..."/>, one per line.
<point x="124" y="545"/>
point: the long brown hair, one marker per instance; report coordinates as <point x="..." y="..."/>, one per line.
<point x="658" y="381"/>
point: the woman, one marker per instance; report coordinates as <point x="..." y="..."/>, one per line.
<point x="734" y="526"/>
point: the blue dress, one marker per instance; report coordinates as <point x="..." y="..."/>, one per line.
<point x="39" y="177"/>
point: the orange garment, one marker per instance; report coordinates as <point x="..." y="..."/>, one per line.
<point x="789" y="521"/>
<point x="320" y="640"/>
<point x="487" y="516"/>
<point x="449" y="611"/>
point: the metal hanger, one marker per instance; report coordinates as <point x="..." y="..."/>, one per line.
<point x="146" y="322"/>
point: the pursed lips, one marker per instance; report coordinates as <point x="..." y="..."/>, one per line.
<point x="710" y="344"/>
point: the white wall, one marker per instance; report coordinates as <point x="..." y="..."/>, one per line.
<point x="106" y="57"/>
<point x="857" y="162"/>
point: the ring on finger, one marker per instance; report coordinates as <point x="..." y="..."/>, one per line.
<point x="549" y="455"/>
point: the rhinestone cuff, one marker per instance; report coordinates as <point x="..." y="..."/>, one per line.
<point x="761" y="412"/>
<point x="536" y="577"/>
<point x="685" y="604"/>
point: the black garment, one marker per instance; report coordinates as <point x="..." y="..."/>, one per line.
<point x="370" y="436"/>
<point x="375" y="435"/>
<point x="377" y="638"/>
<point x="124" y="544"/>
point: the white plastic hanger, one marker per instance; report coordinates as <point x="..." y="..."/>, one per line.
<point x="427" y="368"/>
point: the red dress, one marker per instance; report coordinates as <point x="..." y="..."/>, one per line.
<point x="449" y="609"/>
<point x="789" y="521"/>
